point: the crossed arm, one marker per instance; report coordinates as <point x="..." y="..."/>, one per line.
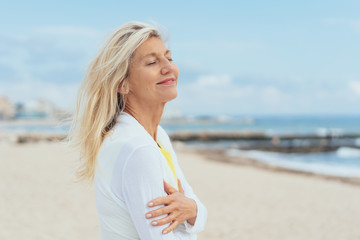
<point x="143" y="180"/>
<point x="177" y="209"/>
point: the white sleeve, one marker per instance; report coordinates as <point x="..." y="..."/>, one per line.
<point x="201" y="209"/>
<point x="142" y="181"/>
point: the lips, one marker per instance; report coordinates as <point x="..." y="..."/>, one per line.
<point x="167" y="81"/>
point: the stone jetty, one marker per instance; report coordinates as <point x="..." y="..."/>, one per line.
<point x="242" y="140"/>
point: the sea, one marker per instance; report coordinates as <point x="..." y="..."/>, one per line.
<point x="343" y="162"/>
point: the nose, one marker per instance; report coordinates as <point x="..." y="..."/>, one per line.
<point x="167" y="67"/>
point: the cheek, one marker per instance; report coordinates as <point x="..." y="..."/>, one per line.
<point x="137" y="79"/>
<point x="176" y="69"/>
<point x="142" y="84"/>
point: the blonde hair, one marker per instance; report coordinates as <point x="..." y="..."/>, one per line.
<point x="99" y="103"/>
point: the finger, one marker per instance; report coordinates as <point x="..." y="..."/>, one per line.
<point x="160" y="201"/>
<point x="163" y="221"/>
<point x="159" y="212"/>
<point x="170" y="228"/>
<point x="180" y="187"/>
<point x="169" y="189"/>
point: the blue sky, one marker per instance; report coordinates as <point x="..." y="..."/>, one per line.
<point x="235" y="57"/>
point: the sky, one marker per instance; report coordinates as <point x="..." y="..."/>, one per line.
<point x="235" y="57"/>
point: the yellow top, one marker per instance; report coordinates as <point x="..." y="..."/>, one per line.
<point x="170" y="162"/>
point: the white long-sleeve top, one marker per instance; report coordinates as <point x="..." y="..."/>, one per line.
<point x="130" y="173"/>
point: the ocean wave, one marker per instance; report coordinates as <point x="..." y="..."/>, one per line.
<point x="329" y="131"/>
<point x="301" y="162"/>
<point x="347" y="152"/>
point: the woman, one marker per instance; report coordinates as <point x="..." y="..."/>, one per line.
<point x="140" y="190"/>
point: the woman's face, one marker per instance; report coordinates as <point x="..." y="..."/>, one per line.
<point x="152" y="75"/>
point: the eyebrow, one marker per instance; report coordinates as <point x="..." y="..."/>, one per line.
<point x="154" y="54"/>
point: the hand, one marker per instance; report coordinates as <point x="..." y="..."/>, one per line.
<point x="177" y="207"/>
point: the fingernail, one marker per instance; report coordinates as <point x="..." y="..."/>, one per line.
<point x="150" y="204"/>
<point x="154" y="223"/>
<point x="165" y="232"/>
<point x="148" y="215"/>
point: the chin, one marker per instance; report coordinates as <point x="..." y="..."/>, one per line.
<point x="170" y="97"/>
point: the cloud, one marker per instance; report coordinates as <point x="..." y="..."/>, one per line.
<point x="353" y="24"/>
<point x="46" y="63"/>
<point x="224" y="94"/>
<point x="221" y="94"/>
<point x="49" y="63"/>
<point x="43" y="53"/>
<point x="213" y="81"/>
<point x="354" y="86"/>
<point x="61" y="95"/>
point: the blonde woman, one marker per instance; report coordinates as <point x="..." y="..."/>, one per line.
<point x="140" y="190"/>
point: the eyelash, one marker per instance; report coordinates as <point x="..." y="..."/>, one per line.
<point x="169" y="59"/>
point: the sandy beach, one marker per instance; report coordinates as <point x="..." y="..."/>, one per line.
<point x="40" y="199"/>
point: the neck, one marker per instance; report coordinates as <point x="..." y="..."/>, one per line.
<point x="148" y="116"/>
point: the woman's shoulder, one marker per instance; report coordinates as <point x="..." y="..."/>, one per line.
<point x="123" y="144"/>
<point x="126" y="136"/>
<point x="138" y="155"/>
<point x="125" y="129"/>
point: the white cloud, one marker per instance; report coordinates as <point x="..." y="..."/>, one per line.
<point x="46" y="63"/>
<point x="192" y="65"/>
<point x="49" y="54"/>
<point x="354" y="86"/>
<point x="222" y="94"/>
<point x="214" y="94"/>
<point x="213" y="81"/>
<point x="61" y="95"/>
<point x="272" y="95"/>
<point x="47" y="41"/>
<point x="351" y="23"/>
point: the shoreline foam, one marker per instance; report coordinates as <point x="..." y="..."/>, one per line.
<point x="221" y="155"/>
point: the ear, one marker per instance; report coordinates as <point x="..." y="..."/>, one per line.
<point x="124" y="89"/>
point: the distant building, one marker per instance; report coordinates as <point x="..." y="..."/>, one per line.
<point x="7" y="109"/>
<point x="36" y="109"/>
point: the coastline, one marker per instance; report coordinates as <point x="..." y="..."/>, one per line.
<point x="209" y="147"/>
<point x="220" y="155"/>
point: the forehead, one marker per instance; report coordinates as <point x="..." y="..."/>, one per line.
<point x="151" y="46"/>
